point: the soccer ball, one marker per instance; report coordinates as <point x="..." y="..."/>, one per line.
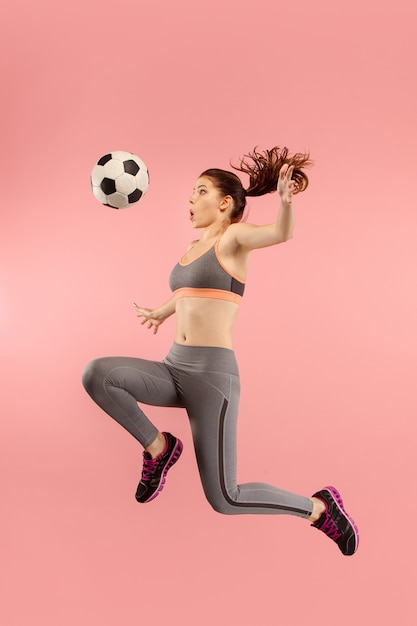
<point x="119" y="179"/>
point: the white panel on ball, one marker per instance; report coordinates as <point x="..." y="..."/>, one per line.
<point x="126" y="183"/>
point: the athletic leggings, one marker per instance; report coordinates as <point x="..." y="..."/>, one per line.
<point x="204" y="381"/>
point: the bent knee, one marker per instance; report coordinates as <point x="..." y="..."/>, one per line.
<point x="221" y="505"/>
<point x="91" y="374"/>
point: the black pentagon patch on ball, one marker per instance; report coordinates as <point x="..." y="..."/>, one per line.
<point x="134" y="196"/>
<point x="104" y="159"/>
<point x="131" y="167"/>
<point x="108" y="186"/>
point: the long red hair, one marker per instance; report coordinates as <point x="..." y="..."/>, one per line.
<point x="263" y="170"/>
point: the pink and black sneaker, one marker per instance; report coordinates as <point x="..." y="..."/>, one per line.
<point x="336" y="523"/>
<point x="155" y="470"/>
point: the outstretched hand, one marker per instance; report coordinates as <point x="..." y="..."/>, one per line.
<point x="286" y="186"/>
<point x="148" y="319"/>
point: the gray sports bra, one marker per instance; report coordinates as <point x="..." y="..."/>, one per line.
<point x="206" y="277"/>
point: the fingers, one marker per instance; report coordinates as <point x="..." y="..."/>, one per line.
<point x="286" y="185"/>
<point x="139" y="308"/>
<point x="141" y="312"/>
<point x="286" y="172"/>
<point x="150" y="324"/>
<point x="147" y="318"/>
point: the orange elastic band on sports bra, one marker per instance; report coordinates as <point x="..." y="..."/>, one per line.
<point x="216" y="294"/>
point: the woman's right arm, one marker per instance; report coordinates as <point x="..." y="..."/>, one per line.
<point x="155" y="317"/>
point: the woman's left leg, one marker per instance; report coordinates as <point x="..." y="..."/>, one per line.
<point x="208" y="382"/>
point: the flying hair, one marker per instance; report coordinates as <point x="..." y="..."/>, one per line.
<point x="263" y="169"/>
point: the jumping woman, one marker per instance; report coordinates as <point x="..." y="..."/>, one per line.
<point x="200" y="372"/>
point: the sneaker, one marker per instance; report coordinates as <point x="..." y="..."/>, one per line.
<point x="155" y="470"/>
<point x="336" y="523"/>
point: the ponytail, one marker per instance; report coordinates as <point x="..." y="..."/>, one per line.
<point x="263" y="169"/>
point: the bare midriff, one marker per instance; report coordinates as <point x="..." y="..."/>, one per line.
<point x="205" y="322"/>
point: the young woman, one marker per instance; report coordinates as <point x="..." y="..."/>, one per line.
<point x="200" y="372"/>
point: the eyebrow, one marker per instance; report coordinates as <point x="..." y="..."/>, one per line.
<point x="201" y="186"/>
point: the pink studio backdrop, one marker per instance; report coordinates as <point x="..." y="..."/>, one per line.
<point x="325" y="338"/>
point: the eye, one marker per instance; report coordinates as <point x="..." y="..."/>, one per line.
<point x="203" y="191"/>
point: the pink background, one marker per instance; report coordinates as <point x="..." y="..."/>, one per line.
<point x="325" y="338"/>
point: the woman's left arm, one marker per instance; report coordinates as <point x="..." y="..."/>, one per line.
<point x="250" y="236"/>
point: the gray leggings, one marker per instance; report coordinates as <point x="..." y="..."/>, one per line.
<point x="204" y="381"/>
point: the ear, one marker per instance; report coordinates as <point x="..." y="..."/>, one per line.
<point x="226" y="203"/>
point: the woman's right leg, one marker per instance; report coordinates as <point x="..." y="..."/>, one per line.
<point x="116" y="384"/>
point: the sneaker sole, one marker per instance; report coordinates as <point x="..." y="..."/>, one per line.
<point x="175" y="455"/>
<point x="339" y="502"/>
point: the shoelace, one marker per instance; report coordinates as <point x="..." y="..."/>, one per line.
<point x="149" y="466"/>
<point x="330" y="529"/>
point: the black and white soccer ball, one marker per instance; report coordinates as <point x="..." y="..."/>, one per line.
<point x="119" y="179"/>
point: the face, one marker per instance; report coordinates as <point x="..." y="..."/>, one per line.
<point x="206" y="204"/>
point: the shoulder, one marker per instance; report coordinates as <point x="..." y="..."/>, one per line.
<point x="235" y="233"/>
<point x="230" y="242"/>
<point x="251" y="236"/>
<point x="240" y="227"/>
